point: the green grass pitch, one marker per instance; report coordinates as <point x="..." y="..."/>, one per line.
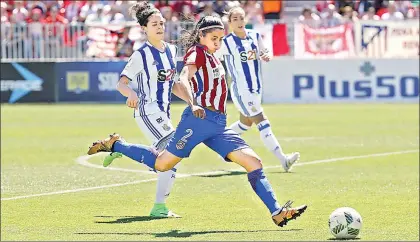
<point x="369" y="161"/>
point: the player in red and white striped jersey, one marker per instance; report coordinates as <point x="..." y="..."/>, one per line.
<point x="209" y="84"/>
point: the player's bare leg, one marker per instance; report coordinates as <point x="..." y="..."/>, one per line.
<point x="166" y="161"/>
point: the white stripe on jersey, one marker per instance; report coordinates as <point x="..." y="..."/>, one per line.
<point x="150" y="74"/>
<point x="245" y="62"/>
<point x="218" y="93"/>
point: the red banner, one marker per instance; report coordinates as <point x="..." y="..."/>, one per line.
<point x="274" y="37"/>
<point x="280" y="43"/>
<point x="324" y="42"/>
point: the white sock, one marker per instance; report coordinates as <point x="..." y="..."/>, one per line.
<point x="270" y="140"/>
<point x="239" y="127"/>
<point x="164" y="184"/>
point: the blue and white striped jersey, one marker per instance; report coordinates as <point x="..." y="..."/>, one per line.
<point x="242" y="60"/>
<point x="154" y="72"/>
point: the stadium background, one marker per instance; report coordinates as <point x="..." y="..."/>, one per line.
<point x="329" y="55"/>
<point x="83" y="44"/>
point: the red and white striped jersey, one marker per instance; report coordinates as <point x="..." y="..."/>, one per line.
<point x="209" y="83"/>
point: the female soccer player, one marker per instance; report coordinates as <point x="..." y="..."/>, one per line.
<point x="152" y="69"/>
<point x="243" y="51"/>
<point x="204" y="121"/>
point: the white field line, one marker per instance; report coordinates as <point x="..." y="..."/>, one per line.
<point x="207" y="173"/>
<point x="348" y="158"/>
<point x="83" y="160"/>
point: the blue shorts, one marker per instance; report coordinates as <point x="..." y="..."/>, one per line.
<point x="212" y="131"/>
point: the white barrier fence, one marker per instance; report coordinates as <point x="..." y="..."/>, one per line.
<point x="37" y="41"/>
<point x="75" y="41"/>
<point x="287" y="80"/>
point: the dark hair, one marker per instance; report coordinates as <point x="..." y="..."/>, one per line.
<point x="143" y="11"/>
<point x="205" y="25"/>
<point x="229" y="14"/>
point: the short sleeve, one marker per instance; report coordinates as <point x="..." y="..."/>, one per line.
<point x="195" y="56"/>
<point x="134" y="66"/>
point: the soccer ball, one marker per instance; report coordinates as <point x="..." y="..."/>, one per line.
<point x="345" y="223"/>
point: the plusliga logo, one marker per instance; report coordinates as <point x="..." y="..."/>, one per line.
<point x="166" y="75"/>
<point x="371" y="85"/>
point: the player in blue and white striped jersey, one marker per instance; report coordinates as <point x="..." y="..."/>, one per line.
<point x="243" y="51"/>
<point x="152" y="68"/>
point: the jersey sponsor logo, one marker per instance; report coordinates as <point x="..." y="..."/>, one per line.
<point x="248" y="55"/>
<point x="166" y="75"/>
<point x="184" y="139"/>
<point x="216" y="73"/>
<point x="77" y="81"/>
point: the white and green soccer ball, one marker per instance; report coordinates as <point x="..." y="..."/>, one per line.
<point x="345" y="223"/>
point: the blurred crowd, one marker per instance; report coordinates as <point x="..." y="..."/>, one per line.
<point x="76" y="15"/>
<point x="326" y="12"/>
<point x="329" y="13"/>
<point x="117" y="11"/>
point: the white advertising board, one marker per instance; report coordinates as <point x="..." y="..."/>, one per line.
<point x="343" y="80"/>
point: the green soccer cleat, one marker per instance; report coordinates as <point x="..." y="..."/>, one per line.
<point x="160" y="210"/>
<point x="110" y="158"/>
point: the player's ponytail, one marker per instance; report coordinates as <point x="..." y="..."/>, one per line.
<point x="143" y="11"/>
<point x="205" y="25"/>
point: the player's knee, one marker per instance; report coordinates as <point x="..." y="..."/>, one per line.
<point x="162" y="166"/>
<point x="258" y="162"/>
<point x="252" y="161"/>
<point x="259" y="118"/>
<point x="245" y="120"/>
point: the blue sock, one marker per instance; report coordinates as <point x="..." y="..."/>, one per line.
<point x="139" y="153"/>
<point x="263" y="189"/>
